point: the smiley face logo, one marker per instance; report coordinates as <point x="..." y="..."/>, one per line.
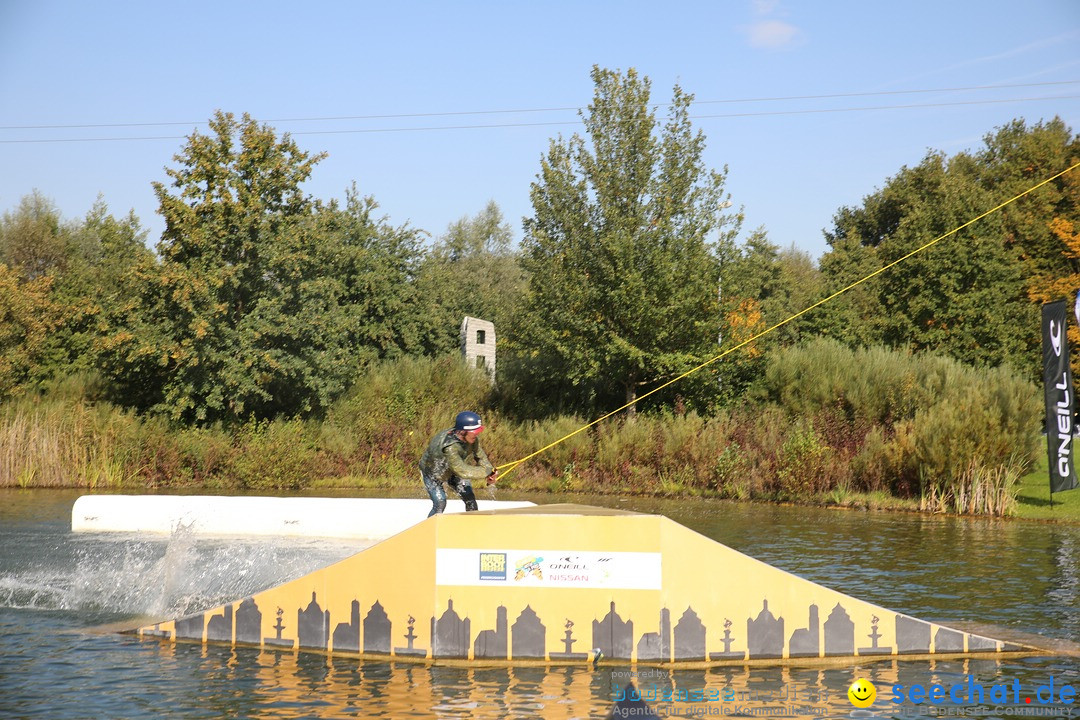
<point x="862" y="693"/>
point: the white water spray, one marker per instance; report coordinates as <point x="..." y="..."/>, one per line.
<point x="146" y="575"/>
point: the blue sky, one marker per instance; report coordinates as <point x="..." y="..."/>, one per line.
<point x="793" y="160"/>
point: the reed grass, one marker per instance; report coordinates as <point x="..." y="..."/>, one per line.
<point x="978" y="490"/>
<point x="64" y="444"/>
<point x="948" y="437"/>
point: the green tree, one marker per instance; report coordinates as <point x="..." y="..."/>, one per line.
<point x="376" y="265"/>
<point x="761" y="285"/>
<point x="102" y="248"/>
<point x="1013" y="158"/>
<point x="472" y="269"/>
<point x="27" y="316"/>
<point x="623" y="286"/>
<point x="856" y="317"/>
<point x="781" y="281"/>
<point x="32" y="238"/>
<point x="83" y="260"/>
<point x="970" y="296"/>
<point x="240" y="318"/>
<point x="963" y="296"/>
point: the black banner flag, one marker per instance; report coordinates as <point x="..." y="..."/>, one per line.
<point x="1057" y="381"/>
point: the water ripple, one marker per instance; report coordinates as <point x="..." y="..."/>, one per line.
<point x="52" y="584"/>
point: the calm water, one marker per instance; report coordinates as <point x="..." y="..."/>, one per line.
<point x="54" y="585"/>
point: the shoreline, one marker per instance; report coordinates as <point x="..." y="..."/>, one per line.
<point x="1068" y="505"/>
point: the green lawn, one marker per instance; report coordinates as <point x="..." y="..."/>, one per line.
<point x="1033" y="500"/>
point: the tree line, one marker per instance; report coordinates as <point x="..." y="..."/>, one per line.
<point x="260" y="301"/>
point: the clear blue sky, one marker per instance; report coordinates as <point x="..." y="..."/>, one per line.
<point x="111" y="63"/>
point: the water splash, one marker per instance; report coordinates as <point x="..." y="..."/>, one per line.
<point x="148" y="575"/>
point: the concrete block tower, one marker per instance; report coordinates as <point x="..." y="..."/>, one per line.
<point x="478" y="344"/>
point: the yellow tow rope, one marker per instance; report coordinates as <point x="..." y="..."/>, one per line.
<point x="509" y="467"/>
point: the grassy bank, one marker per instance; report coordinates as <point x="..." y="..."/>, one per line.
<point x="900" y="438"/>
<point x="1033" y="501"/>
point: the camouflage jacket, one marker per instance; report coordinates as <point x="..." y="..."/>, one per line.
<point x="447" y="456"/>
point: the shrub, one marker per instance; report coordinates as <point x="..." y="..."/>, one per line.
<point x="802" y="463"/>
<point x="379" y="428"/>
<point x="835" y="420"/>
<point x="277" y="455"/>
<point x="985" y="422"/>
<point x="935" y="418"/>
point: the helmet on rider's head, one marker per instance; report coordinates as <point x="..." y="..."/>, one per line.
<point x="466" y="421"/>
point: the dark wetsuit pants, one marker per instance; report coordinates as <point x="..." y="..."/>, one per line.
<point x="438" y="494"/>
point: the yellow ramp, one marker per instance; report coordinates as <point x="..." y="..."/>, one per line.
<point x="556" y="583"/>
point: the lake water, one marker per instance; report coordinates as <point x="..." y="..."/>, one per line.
<point x="54" y="585"/>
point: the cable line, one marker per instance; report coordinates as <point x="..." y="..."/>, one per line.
<point x="509" y="467"/>
<point x="328" y="118"/>
<point x="884" y="107"/>
<point x="362" y="131"/>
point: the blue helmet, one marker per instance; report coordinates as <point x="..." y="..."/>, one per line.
<point x="468" y="421"/>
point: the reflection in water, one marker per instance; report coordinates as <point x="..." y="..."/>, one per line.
<point x="1025" y="576"/>
<point x="282" y="684"/>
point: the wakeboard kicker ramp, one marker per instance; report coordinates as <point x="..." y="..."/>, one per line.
<point x="562" y="584"/>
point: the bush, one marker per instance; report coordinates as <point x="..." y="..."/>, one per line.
<point x="802" y="463"/>
<point x="934" y="417"/>
<point x="380" y="427"/>
<point x="873" y="385"/>
<point x="985" y="422"/>
<point x="277" y="455"/>
<point x="834" y="420"/>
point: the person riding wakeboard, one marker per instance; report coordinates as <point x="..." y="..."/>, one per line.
<point x="454" y="457"/>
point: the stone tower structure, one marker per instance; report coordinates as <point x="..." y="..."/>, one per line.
<point x="478" y="344"/>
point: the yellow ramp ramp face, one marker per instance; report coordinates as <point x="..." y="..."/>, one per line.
<point x="559" y="583"/>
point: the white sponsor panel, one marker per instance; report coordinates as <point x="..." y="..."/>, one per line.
<point x="547" y="568"/>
